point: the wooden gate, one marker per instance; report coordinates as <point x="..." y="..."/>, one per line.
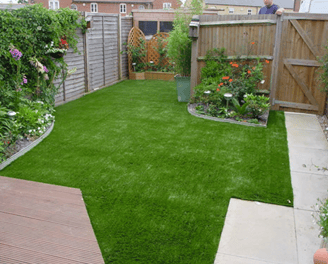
<point x="300" y="41"/>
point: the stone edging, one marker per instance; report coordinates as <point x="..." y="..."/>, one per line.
<point x="27" y="148"/>
<point x="191" y="110"/>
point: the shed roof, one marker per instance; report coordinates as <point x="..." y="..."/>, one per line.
<point x="255" y="3"/>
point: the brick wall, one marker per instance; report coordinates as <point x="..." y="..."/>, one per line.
<point x="45" y="3"/>
<point x="158" y="4"/>
<point x="113" y="8"/>
<point x="297" y="5"/>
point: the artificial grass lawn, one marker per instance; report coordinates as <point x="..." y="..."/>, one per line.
<point x="157" y="181"/>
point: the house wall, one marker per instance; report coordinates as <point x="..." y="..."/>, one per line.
<point x="238" y="10"/>
<point x="156" y="15"/>
<point x="112" y="8"/>
<point x="45" y="3"/>
<point x="297" y="5"/>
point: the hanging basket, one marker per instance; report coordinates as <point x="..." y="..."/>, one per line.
<point x="57" y="55"/>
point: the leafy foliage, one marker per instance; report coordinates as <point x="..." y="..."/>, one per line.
<point x="324" y="68"/>
<point x="179" y="43"/>
<point x="28" y="38"/>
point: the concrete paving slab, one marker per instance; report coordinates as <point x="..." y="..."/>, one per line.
<point x="260" y="231"/>
<point x="308" y="241"/>
<point x="306" y="138"/>
<point x="302" y="121"/>
<point x="305" y="160"/>
<point x="307" y="188"/>
<point x="228" y="259"/>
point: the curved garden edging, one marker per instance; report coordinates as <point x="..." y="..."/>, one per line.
<point x="192" y="111"/>
<point x="27" y="148"/>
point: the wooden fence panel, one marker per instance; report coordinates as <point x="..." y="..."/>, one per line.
<point x="236" y="33"/>
<point x="74" y="86"/>
<point x="126" y="26"/>
<point x="99" y="62"/>
<point x="298" y="86"/>
<point x="291" y="43"/>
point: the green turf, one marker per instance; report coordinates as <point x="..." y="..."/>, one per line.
<point x="156" y="180"/>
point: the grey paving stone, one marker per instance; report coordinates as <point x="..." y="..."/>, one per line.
<point x="301" y="121"/>
<point x="307" y="188"/>
<point x="264" y="232"/>
<point x="306" y="138"/>
<point x="308" y="241"/>
<point x="308" y="159"/>
<point x="228" y="259"/>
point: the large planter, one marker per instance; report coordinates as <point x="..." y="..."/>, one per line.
<point x="183" y="88"/>
<point x="136" y="75"/>
<point x="165" y="76"/>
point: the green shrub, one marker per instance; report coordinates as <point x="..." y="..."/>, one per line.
<point x="257" y="104"/>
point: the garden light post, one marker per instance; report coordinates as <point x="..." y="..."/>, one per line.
<point x="11" y="114"/>
<point x="227" y="96"/>
<point x="207" y="93"/>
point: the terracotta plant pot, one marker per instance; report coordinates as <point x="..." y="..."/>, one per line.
<point x="320" y="256"/>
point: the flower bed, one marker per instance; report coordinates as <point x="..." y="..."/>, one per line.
<point x="229" y="90"/>
<point x="28" y="68"/>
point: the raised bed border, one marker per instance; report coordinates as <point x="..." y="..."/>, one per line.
<point x="27" y="148"/>
<point x="152" y="75"/>
<point x="191" y="110"/>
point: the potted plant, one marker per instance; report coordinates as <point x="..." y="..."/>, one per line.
<point x="320" y="216"/>
<point x="179" y="49"/>
<point x="137" y="53"/>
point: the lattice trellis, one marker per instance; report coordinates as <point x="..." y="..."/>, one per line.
<point x="134" y="39"/>
<point x="152" y="53"/>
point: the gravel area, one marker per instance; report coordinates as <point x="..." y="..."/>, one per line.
<point x="324" y="124"/>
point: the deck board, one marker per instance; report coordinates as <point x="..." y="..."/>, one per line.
<point x="43" y="223"/>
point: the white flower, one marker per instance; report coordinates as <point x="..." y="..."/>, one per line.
<point x="263" y="81"/>
<point x="151" y="62"/>
<point x="207" y="92"/>
<point x="30" y="131"/>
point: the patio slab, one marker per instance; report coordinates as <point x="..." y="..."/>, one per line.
<point x="307" y="138"/>
<point x="223" y="258"/>
<point x="308" y="241"/>
<point x="307" y="187"/>
<point x="301" y="121"/>
<point x="306" y="159"/>
<point x="259" y="231"/>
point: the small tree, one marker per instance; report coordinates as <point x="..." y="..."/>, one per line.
<point x="179" y="43"/>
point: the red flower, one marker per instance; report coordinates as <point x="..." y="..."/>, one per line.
<point x="249" y="72"/>
<point x="63" y="41"/>
<point x="225" y="78"/>
<point x="267" y="61"/>
<point x="253" y="43"/>
<point x="218" y="89"/>
<point x="220" y="84"/>
<point x="230" y="80"/>
<point x="231" y="62"/>
<point x="235" y="65"/>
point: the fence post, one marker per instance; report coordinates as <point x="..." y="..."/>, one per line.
<point x="86" y="66"/>
<point x="194" y="29"/>
<point x="119" y="45"/>
<point x="276" y="62"/>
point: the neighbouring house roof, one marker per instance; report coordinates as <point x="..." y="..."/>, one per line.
<point x="115" y="1"/>
<point x="255" y="3"/>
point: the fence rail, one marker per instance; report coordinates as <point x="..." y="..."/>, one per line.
<point x="292" y="43"/>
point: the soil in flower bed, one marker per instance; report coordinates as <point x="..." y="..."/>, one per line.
<point x="263" y="119"/>
<point x="20" y="144"/>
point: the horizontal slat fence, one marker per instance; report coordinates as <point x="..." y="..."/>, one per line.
<point x="100" y="62"/>
<point x="289" y="43"/>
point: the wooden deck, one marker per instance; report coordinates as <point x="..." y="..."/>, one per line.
<point x="42" y="223"/>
